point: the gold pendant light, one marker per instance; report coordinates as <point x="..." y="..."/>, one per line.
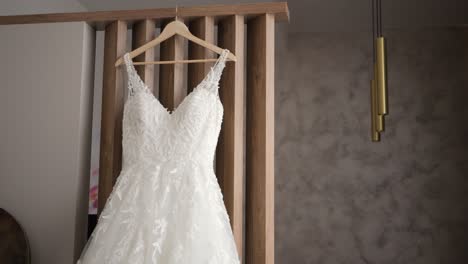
<point x="375" y="134"/>
<point x="381" y="75"/>
<point x="378" y="94"/>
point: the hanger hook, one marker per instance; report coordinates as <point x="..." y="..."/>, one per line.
<point x="176" y="13"/>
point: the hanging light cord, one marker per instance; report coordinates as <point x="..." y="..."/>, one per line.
<point x="376" y="23"/>
<point x="379" y="18"/>
<point x="373" y="31"/>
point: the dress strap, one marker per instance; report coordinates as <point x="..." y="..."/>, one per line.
<point x="128" y="63"/>
<point x="221" y="62"/>
<point x="134" y="81"/>
<point x="214" y="75"/>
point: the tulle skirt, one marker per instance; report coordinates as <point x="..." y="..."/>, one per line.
<point x="163" y="213"/>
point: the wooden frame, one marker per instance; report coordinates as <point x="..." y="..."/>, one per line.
<point x="203" y="28"/>
<point x="230" y="150"/>
<point x="255" y="154"/>
<point x="260" y="140"/>
<point x="100" y="19"/>
<point x="143" y="32"/>
<point x="110" y="160"/>
<point x="171" y="90"/>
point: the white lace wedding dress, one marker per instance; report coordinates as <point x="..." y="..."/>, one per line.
<point x="166" y="206"/>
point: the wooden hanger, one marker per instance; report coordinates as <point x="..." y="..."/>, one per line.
<point x="173" y="28"/>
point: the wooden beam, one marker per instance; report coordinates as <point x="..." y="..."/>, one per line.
<point x="260" y="141"/>
<point x="112" y="110"/>
<point x="171" y="79"/>
<point x="143" y="32"/>
<point x="97" y="18"/>
<point x="102" y="18"/>
<point x="278" y="9"/>
<point x="203" y="28"/>
<point x="230" y="151"/>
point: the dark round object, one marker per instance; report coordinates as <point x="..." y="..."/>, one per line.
<point x="14" y="246"/>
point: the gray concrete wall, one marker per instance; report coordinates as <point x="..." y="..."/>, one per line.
<point x="45" y="116"/>
<point x="341" y="198"/>
<point x="331" y="16"/>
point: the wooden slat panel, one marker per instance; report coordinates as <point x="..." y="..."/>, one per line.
<point x="260" y="141"/>
<point x="143" y="32"/>
<point x="280" y="9"/>
<point x="230" y="151"/>
<point x="171" y="79"/>
<point x="204" y="29"/>
<point x="112" y="110"/>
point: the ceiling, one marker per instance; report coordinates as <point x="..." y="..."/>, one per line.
<point x="331" y="15"/>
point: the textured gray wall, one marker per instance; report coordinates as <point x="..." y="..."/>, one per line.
<point x="341" y="198"/>
<point x="329" y="16"/>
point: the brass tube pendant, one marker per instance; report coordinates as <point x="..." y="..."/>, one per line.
<point x="375" y="134"/>
<point x="379" y="118"/>
<point x="379" y="104"/>
<point x="381" y="76"/>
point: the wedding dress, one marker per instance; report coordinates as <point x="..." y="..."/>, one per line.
<point x="166" y="206"/>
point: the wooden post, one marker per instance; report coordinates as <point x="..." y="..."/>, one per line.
<point x="203" y="28"/>
<point x="260" y="141"/>
<point x="230" y="151"/>
<point x="171" y="79"/>
<point x="112" y="109"/>
<point x="143" y="32"/>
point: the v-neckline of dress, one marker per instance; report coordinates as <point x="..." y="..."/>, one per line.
<point x="143" y="87"/>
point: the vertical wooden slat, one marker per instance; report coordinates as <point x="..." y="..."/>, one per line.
<point x="203" y="28"/>
<point x="229" y="155"/>
<point x="112" y="110"/>
<point x="171" y="79"/>
<point x="143" y="32"/>
<point x="260" y="141"/>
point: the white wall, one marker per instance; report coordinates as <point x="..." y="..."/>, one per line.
<point x="45" y="116"/>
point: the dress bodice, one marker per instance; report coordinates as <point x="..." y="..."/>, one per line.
<point x="151" y="133"/>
